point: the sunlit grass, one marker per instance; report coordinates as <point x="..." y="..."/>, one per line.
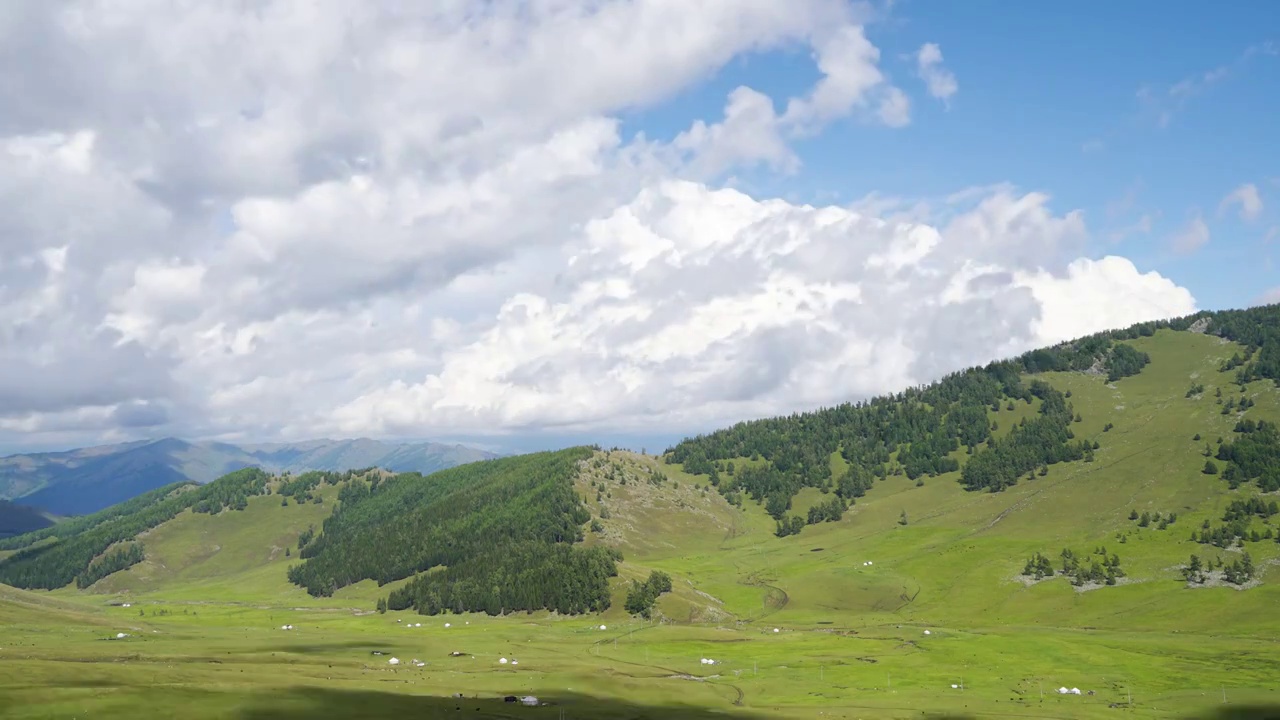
<point x="207" y="605"/>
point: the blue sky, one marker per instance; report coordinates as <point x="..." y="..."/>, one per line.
<point x="438" y="222"/>
<point x="1080" y="101"/>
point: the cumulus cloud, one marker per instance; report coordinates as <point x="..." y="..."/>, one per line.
<point x="940" y="81"/>
<point x="309" y="218"/>
<point x="692" y="305"/>
<point x="850" y="73"/>
<point x="1247" y="198"/>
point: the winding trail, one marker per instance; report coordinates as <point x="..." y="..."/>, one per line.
<point x="649" y="666"/>
<point x="770" y="606"/>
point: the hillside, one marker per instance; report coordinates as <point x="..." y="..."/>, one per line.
<point x="808" y="554"/>
<point x="83" y="481"/>
<point x="502" y="534"/>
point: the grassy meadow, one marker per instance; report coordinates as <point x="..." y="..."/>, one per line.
<point x="940" y="624"/>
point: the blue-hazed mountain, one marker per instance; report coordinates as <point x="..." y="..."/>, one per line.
<point x="85" y="480"/>
<point x="17" y="519"/>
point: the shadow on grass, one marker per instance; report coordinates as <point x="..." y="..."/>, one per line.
<point x="1246" y="712"/>
<point x="310" y="702"/>
<point x="347" y="705"/>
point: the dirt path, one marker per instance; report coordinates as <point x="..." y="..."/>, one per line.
<point x="669" y="672"/>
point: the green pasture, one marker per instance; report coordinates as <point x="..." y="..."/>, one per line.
<point x="206" y="607"/>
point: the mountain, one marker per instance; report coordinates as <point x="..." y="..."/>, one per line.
<point x="1100" y="514"/>
<point x="18" y="519"/>
<point x="82" y="481"/>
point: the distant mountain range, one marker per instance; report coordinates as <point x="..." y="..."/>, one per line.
<point x="18" y="519"/>
<point x="82" y="481"/>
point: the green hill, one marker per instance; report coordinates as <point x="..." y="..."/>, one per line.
<point x="857" y="561"/>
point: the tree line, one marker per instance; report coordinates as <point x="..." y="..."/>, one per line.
<point x="56" y="556"/>
<point x="1258" y="329"/>
<point x="928" y="426"/>
<point x="300" y="488"/>
<point x="518" y="576"/>
<point x="492" y="536"/>
<point x="1254" y="456"/>
<point x="1043" y="441"/>
<point x="76" y="525"/>
<point x="114" y="560"/>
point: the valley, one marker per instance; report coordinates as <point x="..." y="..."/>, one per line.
<point x="914" y="603"/>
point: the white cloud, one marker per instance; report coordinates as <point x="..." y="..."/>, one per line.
<point x="1269" y="297"/>
<point x="309" y="219"/>
<point x="1247" y="198"/>
<point x="748" y="133"/>
<point x="895" y="109"/>
<point x="848" y="62"/>
<point x="694" y="306"/>
<point x="940" y="81"/>
<point x="1192" y="237"/>
<point x="1110" y="290"/>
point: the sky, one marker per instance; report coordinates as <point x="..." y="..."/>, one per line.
<point x="534" y="223"/>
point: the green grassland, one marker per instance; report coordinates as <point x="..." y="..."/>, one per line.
<point x="800" y="626"/>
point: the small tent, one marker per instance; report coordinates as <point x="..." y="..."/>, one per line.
<point x="393" y="661"/>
